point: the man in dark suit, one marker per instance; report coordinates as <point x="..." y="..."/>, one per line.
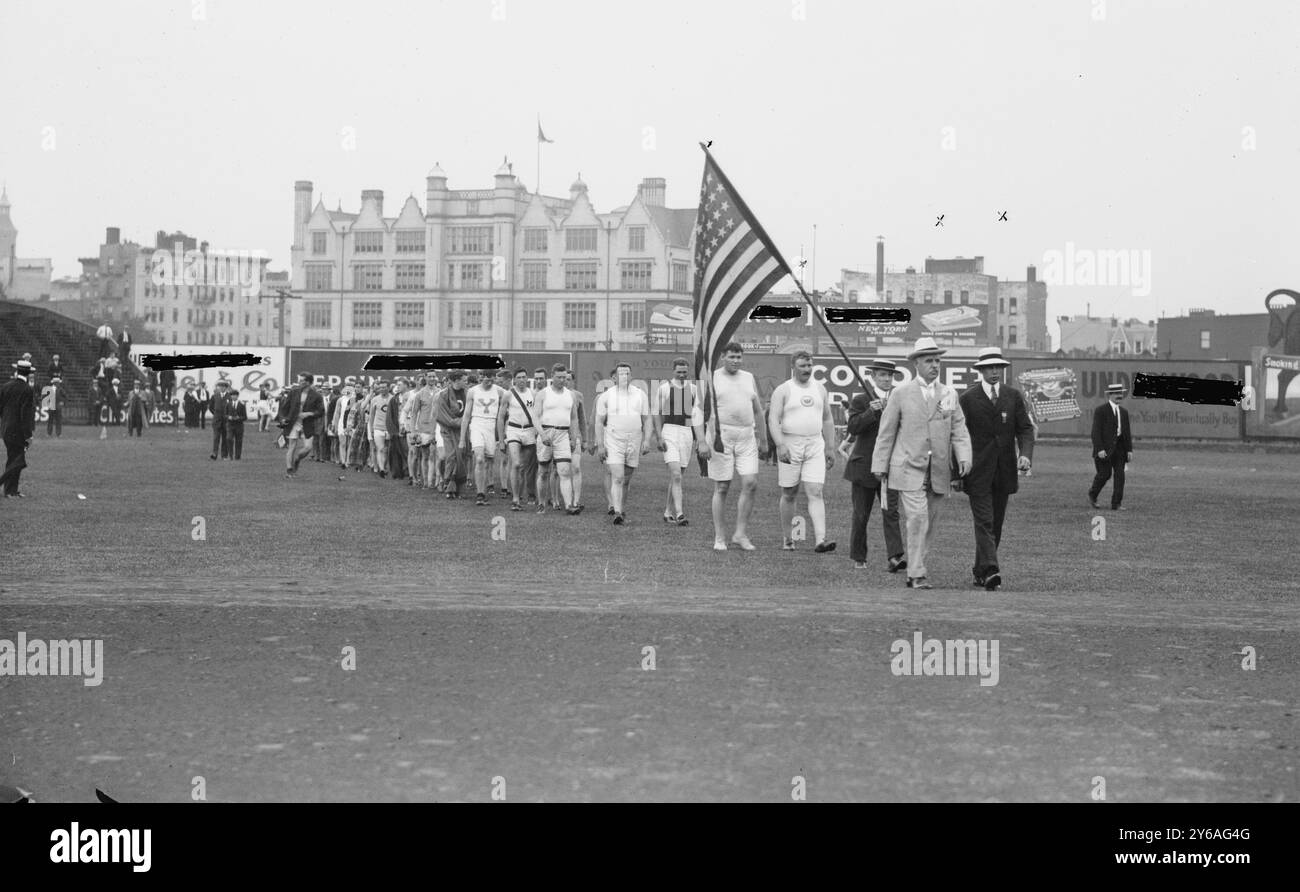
<point x="17" y="425"/>
<point x="320" y="445"/>
<point x="219" y="406"/>
<point x="997" y="417"/>
<point x="53" y="400"/>
<point x="864" y="422"/>
<point x="236" y="412"/>
<point x="299" y="415"/>
<point x="1112" y="447"/>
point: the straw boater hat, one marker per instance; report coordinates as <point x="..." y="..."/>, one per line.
<point x="1115" y="390"/>
<point x="23" y="367"/>
<point x="990" y="356"/>
<point x="925" y="347"/>
<point x="882" y="365"/>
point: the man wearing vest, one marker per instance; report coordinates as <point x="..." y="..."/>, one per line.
<point x="676" y="415"/>
<point x="1112" y="447"/>
<point x="799" y="423"/>
<point x="998" y="419"/>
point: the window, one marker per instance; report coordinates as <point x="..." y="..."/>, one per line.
<point x="889" y="295"/>
<point x="368" y="243"/>
<point x="635" y="276"/>
<point x="471" y="275"/>
<point x="534" y="239"/>
<point x="636" y="238"/>
<point x="534" y="315"/>
<point x="1205" y="340"/>
<point x="579" y="345"/>
<point x="911" y="295"/>
<point x="319" y="277"/>
<point x="316" y="342"/>
<point x="175" y="314"/>
<point x="408" y="314"/>
<point x="318" y="242"/>
<point x="367" y="277"/>
<point x="245" y="319"/>
<point x="681" y="280"/>
<point x="469" y="240"/>
<point x="579" y="316"/>
<point x="471" y="208"/>
<point x="367" y="342"/>
<point x="189" y="316"/>
<point x="1013" y="306"/>
<point x="947" y="297"/>
<point x="965" y="296"/>
<point x="1011" y="336"/>
<point x="534" y="276"/>
<point x="929" y="297"/>
<point x="471" y="315"/>
<point x="532" y="345"/>
<point x="367" y="314"/>
<point x="409" y="342"/>
<point x="409" y="276"/>
<point x="580" y="277"/>
<point x="631" y="315"/>
<point x="1137" y="345"/>
<point x="410" y="241"/>
<point x="580" y="239"/>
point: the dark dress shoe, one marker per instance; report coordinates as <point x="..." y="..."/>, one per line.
<point x="993" y="582"/>
<point x="823" y="547"/>
<point x="1118" y="508"/>
<point x="1093" y="503"/>
<point x="896" y="564"/>
<point x="978" y="582"/>
<point x="918" y="582"/>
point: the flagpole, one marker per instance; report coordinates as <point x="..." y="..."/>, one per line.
<point x="771" y="246"/>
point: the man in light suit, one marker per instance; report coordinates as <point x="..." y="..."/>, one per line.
<point x="864" y="423"/>
<point x="998" y="419"/>
<point x="922" y="432"/>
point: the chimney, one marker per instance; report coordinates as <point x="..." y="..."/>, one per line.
<point x="880" y="267"/>
<point x="653" y="191"/>
<point x="301" y="211"/>
<point x="377" y="195"/>
<point x="1031" y="274"/>
<point x="114" y="236"/>
<point x="203" y="247"/>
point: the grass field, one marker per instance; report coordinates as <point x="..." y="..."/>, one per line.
<point x="523" y="659"/>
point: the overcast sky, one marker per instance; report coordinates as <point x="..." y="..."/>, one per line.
<point x="1139" y="126"/>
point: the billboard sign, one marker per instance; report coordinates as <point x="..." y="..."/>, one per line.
<point x="247" y="379"/>
<point x="334" y="366"/>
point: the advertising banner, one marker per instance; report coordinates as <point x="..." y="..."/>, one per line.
<point x="248" y="379"/>
<point x="1274" y="398"/>
<point x="1150" y="417"/>
<point x="336" y="365"/>
<point x="841" y="384"/>
<point x="1051" y="394"/>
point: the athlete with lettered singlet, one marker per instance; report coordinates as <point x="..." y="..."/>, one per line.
<point x="601" y="386"/>
<point x="479" y="430"/>
<point x="804" y="433"/>
<point x="555" y="419"/>
<point x="521" y="437"/>
<point x="739" y="425"/>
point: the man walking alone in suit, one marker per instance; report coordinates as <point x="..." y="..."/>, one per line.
<point x="17" y="425"/>
<point x="1112" y="447"/>
<point x="997" y="418"/>
<point x="921" y="433"/>
<point x="864" y="423"/>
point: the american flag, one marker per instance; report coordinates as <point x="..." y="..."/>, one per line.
<point x="736" y="264"/>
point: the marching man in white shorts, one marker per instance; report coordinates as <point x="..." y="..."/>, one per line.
<point x="676" y="414"/>
<point x="804" y="434"/>
<point x="623" y="432"/>
<point x="479" y="430"/>
<point x="738" y="422"/>
<point x="521" y="437"/>
<point x="555" y="419"/>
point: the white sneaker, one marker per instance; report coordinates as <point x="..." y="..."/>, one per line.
<point x="719" y="545"/>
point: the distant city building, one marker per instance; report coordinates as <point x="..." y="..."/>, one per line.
<point x="500" y="268"/>
<point x="178" y="291"/>
<point x="1012" y="315"/>
<point x="1203" y="334"/>
<point x="1094" y="336"/>
<point x="21" y="278"/>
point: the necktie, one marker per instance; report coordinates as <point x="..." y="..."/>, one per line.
<point x="995" y="393"/>
<point x="1117" y="421"/>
